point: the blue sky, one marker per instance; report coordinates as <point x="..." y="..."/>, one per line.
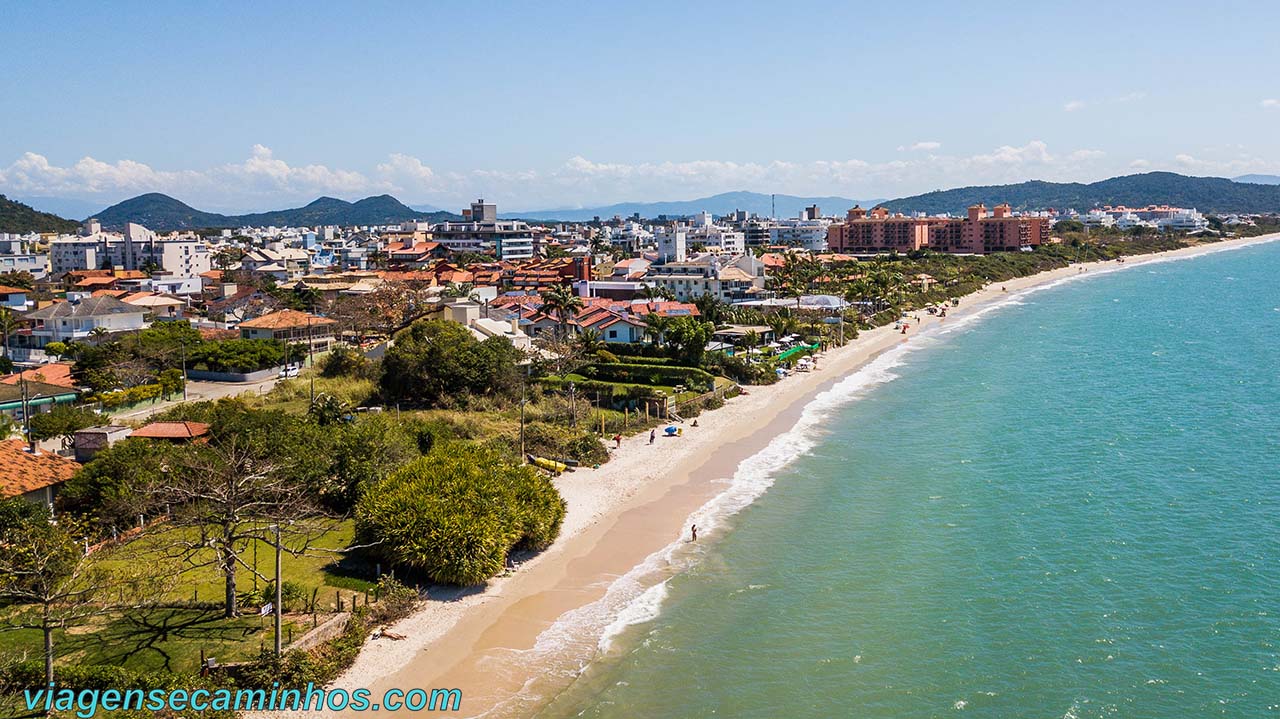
<point x="248" y="106"/>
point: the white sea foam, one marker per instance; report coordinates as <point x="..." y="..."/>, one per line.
<point x="642" y="609"/>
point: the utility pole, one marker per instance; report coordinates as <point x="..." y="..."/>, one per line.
<point x="573" y="407"/>
<point x="278" y="609"/>
<point x="26" y="411"/>
<point x="311" y="360"/>
<point x="183" y="345"/>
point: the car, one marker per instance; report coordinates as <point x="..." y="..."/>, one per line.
<point x="288" y="372"/>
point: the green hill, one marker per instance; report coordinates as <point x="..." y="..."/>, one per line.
<point x="163" y="213"/>
<point x="1207" y="194"/>
<point x="17" y="217"/>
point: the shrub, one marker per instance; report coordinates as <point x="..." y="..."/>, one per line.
<point x="344" y="361"/>
<point x="606" y="356"/>
<point x="437" y="361"/>
<point x="456" y="513"/>
<point x="293" y="596"/>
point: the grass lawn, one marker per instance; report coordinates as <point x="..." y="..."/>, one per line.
<point x="171" y="637"/>
<point x="158" y="638"/>
<point x="323" y="567"/>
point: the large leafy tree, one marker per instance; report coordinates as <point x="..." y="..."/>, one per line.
<point x="689" y="336"/>
<point x="457" y="513"/>
<point x="435" y="362"/>
<point x="62" y="421"/>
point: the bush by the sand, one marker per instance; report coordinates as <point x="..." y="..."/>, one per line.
<point x="456" y="513"/>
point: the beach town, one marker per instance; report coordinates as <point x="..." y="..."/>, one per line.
<point x="611" y="361"/>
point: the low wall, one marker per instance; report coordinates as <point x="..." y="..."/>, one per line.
<point x="323" y="633"/>
<point x="206" y="376"/>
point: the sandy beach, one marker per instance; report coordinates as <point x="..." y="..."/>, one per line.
<point x="513" y="644"/>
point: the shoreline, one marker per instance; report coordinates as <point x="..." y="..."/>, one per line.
<point x="514" y="644"/>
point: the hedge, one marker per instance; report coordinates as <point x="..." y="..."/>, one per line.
<point x="133" y="395"/>
<point x="652" y="374"/>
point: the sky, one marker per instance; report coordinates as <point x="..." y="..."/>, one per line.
<point x="247" y="106"/>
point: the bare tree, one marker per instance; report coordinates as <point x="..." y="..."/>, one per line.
<point x="224" y="495"/>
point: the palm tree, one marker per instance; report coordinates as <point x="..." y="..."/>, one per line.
<point x="97" y="333"/>
<point x="563" y="304"/>
<point x="8" y="323"/>
<point x="460" y="290"/>
<point x="656" y="326"/>
<point x="712" y="308"/>
<point x="589" y="340"/>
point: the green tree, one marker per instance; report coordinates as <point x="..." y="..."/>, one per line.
<point x="457" y="513"/>
<point x="436" y="361"/>
<point x="561" y="302"/>
<point x="44" y="573"/>
<point x="63" y="421"/>
<point x="655" y="326"/>
<point x="689" y="337"/>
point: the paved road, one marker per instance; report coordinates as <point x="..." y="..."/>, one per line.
<point x="197" y="391"/>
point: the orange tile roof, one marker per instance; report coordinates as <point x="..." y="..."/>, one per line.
<point x="22" y="471"/>
<point x="6" y="290"/>
<point x="172" y="430"/>
<point x="286" y="319"/>
<point x="96" y="281"/>
<point x="58" y="374"/>
<point x="110" y="293"/>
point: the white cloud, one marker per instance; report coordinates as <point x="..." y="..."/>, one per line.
<point x="1140" y="164"/>
<point x="264" y="181"/>
<point x="1270" y="103"/>
<point x="1074" y="105"/>
<point x="926" y="145"/>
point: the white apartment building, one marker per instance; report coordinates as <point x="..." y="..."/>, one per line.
<point x="726" y="278"/>
<point x="481" y="231"/>
<point x="137" y="249"/>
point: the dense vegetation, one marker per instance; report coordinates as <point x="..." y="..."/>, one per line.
<point x="457" y="513"/>
<point x="18" y="217"/>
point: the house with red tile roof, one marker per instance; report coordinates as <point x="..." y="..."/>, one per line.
<point x="292" y="327"/>
<point x="34" y="476"/>
<point x="57" y="374"/>
<point x="173" y="431"/>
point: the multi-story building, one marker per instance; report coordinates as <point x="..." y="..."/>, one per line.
<point x="481" y="231"/>
<point x="978" y="233"/>
<point x="138" y="248"/>
<point x="17" y="254"/>
<point x="725" y="278"/>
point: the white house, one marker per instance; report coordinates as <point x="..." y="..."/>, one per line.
<point x="72" y="321"/>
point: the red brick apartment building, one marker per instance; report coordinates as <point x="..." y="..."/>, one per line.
<point x="979" y="233"/>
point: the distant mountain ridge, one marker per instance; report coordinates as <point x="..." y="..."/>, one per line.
<point x="722" y="204"/>
<point x="1207" y="194"/>
<point x="163" y="213"/>
<point x="1258" y="179"/>
<point x="21" y="218"/>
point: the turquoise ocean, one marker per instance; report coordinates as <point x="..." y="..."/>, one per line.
<point x="1067" y="505"/>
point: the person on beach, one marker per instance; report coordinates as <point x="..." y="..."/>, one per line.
<point x="617" y="441"/>
<point x="695" y="423"/>
<point x="694" y="531"/>
<point x="653" y="434"/>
